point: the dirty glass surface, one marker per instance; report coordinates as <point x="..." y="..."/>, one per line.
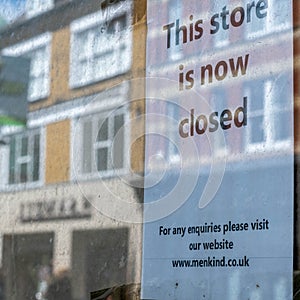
<point x="219" y="151"/>
<point x="70" y="151"/>
<point x="126" y="127"/>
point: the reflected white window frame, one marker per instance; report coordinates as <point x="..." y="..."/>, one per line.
<point x="36" y="7"/>
<point x="39" y="67"/>
<point x="18" y="134"/>
<point x="173" y="146"/>
<point x="119" y="49"/>
<point x="271" y="25"/>
<point x="99" y="109"/>
<point x="106" y="121"/>
<point x="175" y="12"/>
<point x="268" y="112"/>
<point x="218" y="144"/>
<point x="221" y="43"/>
<point x="216" y="38"/>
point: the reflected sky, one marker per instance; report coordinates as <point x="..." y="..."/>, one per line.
<point x="11" y="9"/>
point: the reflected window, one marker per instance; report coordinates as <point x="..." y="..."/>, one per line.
<point x="218" y="143"/>
<point x="221" y="39"/>
<point x="35" y="7"/>
<point x="269" y="106"/>
<point x="274" y="19"/>
<point x="101" y="45"/>
<point x="175" y="12"/>
<point x="220" y="35"/>
<point x="172" y="113"/>
<point x="258" y="27"/>
<point x="24" y="157"/>
<point x="102" y="142"/>
<point x="38" y="50"/>
<point x="280" y="18"/>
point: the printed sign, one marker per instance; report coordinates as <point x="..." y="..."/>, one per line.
<point x="219" y="151"/>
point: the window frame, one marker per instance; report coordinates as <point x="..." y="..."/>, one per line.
<point x="269" y="143"/>
<point x="102" y="104"/>
<point x="89" y="24"/>
<point x="18" y="134"/>
<point x="106" y="144"/>
<point x="40" y="6"/>
<point x="175" y="52"/>
<point x="270" y="24"/>
<point x="31" y="45"/>
<point x="219" y="146"/>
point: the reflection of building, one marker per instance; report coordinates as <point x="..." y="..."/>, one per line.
<point x="66" y="161"/>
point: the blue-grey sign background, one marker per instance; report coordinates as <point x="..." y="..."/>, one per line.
<point x="254" y="160"/>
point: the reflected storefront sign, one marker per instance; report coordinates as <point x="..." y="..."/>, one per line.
<point x="48" y="210"/>
<point x="73" y="240"/>
<point x="219" y="151"/>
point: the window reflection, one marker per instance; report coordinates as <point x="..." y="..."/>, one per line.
<point x="100" y="46"/>
<point x="34" y="7"/>
<point x="37" y="50"/>
<point x="24" y="157"/>
<point x="61" y="168"/>
<point x="270" y="127"/>
<point x="97" y="141"/>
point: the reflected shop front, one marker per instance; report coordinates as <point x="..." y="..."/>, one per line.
<point x="149" y="149"/>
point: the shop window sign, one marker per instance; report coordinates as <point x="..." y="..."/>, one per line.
<point x="218" y="224"/>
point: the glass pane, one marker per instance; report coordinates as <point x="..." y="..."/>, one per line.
<point x="12" y="161"/>
<point x="102" y="130"/>
<point x="37" y="62"/>
<point x="280" y="21"/>
<point x="87" y="144"/>
<point x="102" y="159"/>
<point x="82" y="44"/>
<point x="23" y="175"/>
<point x="99" y="39"/>
<point x="36" y="157"/>
<point x="117" y="25"/>
<point x="257" y="95"/>
<point x="118" y="123"/>
<point x="24" y="146"/>
<point x="118" y="143"/>
<point x="282" y="127"/>
<point x="280" y="98"/>
<point x="257" y="130"/>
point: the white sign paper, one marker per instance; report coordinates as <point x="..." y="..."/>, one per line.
<point x="219" y="151"/>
